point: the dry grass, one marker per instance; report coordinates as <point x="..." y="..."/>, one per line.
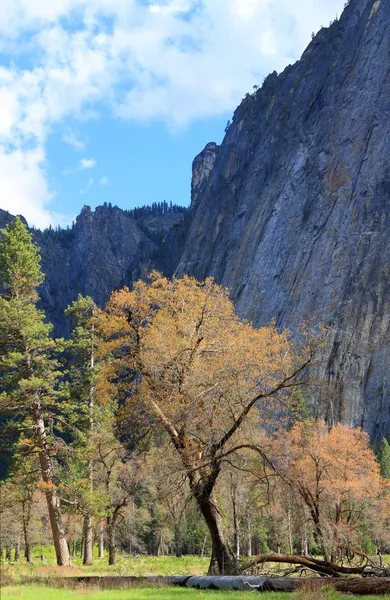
<point x="310" y="590"/>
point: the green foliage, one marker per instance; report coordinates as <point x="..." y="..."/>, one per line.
<point x="80" y="363"/>
<point x="20" y="272"/>
<point x="384" y="458"/>
<point x="28" y="366"/>
<point x="299" y="406"/>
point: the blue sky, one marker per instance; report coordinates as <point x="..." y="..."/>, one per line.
<point x="110" y="100"/>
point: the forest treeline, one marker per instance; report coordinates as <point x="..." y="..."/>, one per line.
<point x="153" y="430"/>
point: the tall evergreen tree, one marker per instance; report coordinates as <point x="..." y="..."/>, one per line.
<point x="28" y="368"/>
<point x="82" y="390"/>
<point x="384" y="458"/>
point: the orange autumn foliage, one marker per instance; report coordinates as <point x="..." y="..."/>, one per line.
<point x="336" y="475"/>
<point x="179" y="354"/>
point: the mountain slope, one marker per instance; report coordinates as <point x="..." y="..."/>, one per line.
<point x="106" y="249"/>
<point x="295" y="213"/>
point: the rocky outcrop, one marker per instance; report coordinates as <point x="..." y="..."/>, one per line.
<point x="293" y="210"/>
<point x="202" y="168"/>
<point x="105" y="250"/>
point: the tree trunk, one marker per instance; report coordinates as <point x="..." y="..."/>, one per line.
<point x="290" y="537"/>
<point x="111" y="542"/>
<point x="249" y="530"/>
<point x="304" y="543"/>
<point x="52" y="498"/>
<point x="26" y="513"/>
<point x="222" y="562"/>
<point x="8" y="552"/>
<point x="177" y="540"/>
<point x="236" y="525"/>
<point x="17" y="550"/>
<point x="88" y="540"/>
<point x="101" y="542"/>
<point x="111" y="531"/>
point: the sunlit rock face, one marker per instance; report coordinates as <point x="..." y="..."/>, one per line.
<point x="292" y="211"/>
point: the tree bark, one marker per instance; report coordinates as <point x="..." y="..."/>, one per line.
<point x="26" y="514"/>
<point x="111" y="542"/>
<point x="8" y="552"/>
<point x="249" y="531"/>
<point x="236" y="523"/>
<point x="88" y="540"/>
<point x="222" y="562"/>
<point x="321" y="566"/>
<point x="17" y="550"/>
<point x="111" y="531"/>
<point x="52" y="498"/>
<point x="177" y="540"/>
<point x="101" y="542"/>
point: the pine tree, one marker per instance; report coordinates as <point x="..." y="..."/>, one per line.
<point x="28" y="368"/>
<point x="82" y="410"/>
<point x="384" y="458"/>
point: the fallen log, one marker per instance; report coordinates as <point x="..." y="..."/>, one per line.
<point x="353" y="585"/>
<point x="322" y="567"/>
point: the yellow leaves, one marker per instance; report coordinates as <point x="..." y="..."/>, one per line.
<point x="25" y="442"/>
<point x="46" y="486"/>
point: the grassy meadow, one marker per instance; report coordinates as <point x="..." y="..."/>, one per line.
<point x="39" y="581"/>
<point x="81" y="592"/>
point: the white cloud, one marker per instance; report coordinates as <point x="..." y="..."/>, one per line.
<point x="87" y="163"/>
<point x="24" y="189"/>
<point x="70" y="138"/>
<point x="143" y="61"/>
<point x="103" y="181"/>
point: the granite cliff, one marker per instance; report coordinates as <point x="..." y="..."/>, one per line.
<point x="106" y="249"/>
<point x="292" y="211"/>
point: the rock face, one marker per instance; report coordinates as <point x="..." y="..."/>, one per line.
<point x="292" y="212"/>
<point x="105" y="250"/>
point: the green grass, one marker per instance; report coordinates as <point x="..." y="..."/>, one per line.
<point x="36" y="576"/>
<point x="46" y="593"/>
<point x="142" y="566"/>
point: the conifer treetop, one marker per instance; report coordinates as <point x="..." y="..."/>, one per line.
<point x="20" y="270"/>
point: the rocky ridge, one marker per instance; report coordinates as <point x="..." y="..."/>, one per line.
<point x="106" y="249"/>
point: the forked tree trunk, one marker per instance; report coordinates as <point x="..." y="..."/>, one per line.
<point x="52" y="498"/>
<point x="8" y="552"/>
<point x="111" y="531"/>
<point x="88" y="540"/>
<point x="222" y="562"/>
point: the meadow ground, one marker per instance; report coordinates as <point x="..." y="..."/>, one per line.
<point x="38" y="592"/>
<point x="36" y="582"/>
